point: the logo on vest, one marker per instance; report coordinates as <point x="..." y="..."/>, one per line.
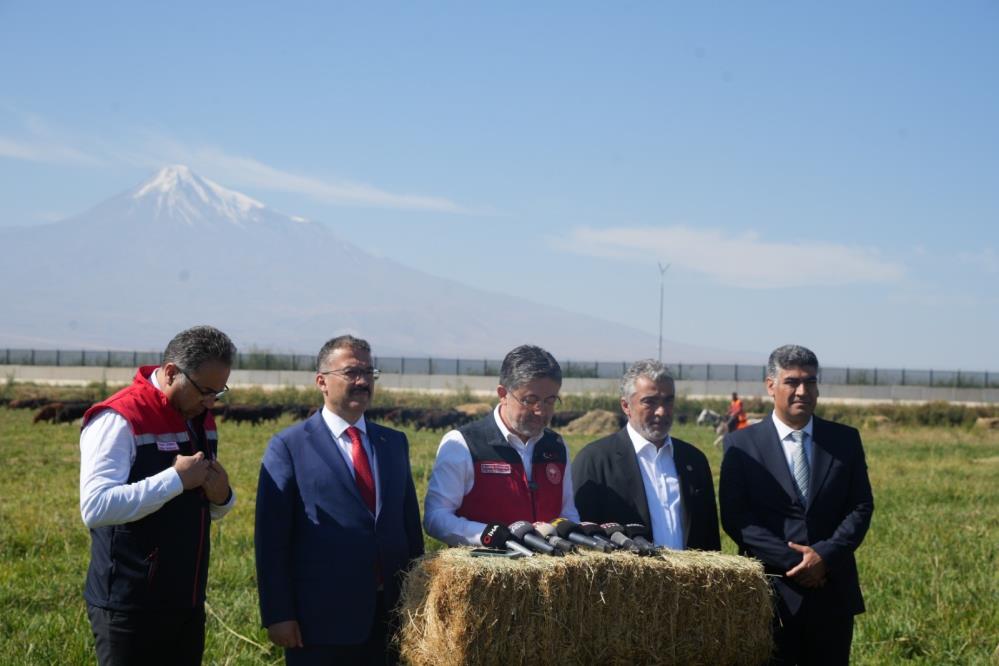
<point x="167" y="446"/>
<point x="553" y="473"/>
<point x="495" y="468"/>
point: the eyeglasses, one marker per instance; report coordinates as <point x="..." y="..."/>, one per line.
<point x="533" y="402"/>
<point x="205" y="393"/>
<point x="355" y="373"/>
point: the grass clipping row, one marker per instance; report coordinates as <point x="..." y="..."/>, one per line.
<point x="680" y="607"/>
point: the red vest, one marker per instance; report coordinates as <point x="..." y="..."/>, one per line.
<point x="161" y="560"/>
<point x="500" y="492"/>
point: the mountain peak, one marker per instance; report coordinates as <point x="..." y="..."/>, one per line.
<point x="177" y="192"/>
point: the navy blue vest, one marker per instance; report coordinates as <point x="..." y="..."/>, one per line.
<point x="161" y="560"/>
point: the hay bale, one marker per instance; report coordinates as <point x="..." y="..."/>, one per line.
<point x="686" y="607"/>
<point x="594" y="422"/>
<point x="474" y="408"/>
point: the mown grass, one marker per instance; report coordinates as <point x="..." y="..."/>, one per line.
<point x="928" y="567"/>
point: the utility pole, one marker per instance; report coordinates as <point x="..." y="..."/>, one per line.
<point x="662" y="279"/>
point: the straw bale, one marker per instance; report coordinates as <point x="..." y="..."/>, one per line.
<point x="594" y="422"/>
<point x="686" y="607"/>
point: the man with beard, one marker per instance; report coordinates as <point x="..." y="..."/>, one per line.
<point x="337" y="520"/>
<point x="507" y="466"/>
<point x="642" y="475"/>
<point x="795" y="494"/>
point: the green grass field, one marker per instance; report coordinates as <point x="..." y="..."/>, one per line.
<point x="929" y="566"/>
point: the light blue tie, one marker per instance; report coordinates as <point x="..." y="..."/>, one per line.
<point x="800" y="463"/>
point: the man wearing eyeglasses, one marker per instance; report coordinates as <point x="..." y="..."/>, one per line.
<point x="337" y="520"/>
<point x="507" y="466"/>
<point x="150" y="485"/>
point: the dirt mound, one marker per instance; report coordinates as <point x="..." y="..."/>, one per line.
<point x="595" y="422"/>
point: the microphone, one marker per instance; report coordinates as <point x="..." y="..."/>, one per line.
<point x="548" y="531"/>
<point x="641" y="535"/>
<point x="594" y="531"/>
<point x="571" y="531"/>
<point x="498" y="536"/>
<point x="616" y="533"/>
<point x="525" y="534"/>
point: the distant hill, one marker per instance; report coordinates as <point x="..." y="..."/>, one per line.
<point x="179" y="250"/>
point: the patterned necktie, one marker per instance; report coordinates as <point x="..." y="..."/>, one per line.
<point x="800" y="463"/>
<point x="362" y="469"/>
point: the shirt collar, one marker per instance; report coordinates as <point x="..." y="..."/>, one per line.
<point x="510" y="437"/>
<point x="640" y="443"/>
<point x="783" y="429"/>
<point x="155" y="382"/>
<point x="338" y="425"/>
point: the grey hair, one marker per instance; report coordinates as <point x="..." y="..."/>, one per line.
<point x="525" y="364"/>
<point x="649" y="368"/>
<point x="340" y="342"/>
<point x="790" y="356"/>
<point x="190" y="349"/>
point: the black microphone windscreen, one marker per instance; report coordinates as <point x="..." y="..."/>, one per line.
<point x="637" y="529"/>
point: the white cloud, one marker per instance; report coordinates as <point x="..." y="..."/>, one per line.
<point x="45" y="152"/>
<point x="986" y="260"/>
<point x="241" y="171"/>
<point x="743" y="260"/>
<point x="46" y="145"/>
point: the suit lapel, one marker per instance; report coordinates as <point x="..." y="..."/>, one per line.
<point x="387" y="485"/>
<point x="821" y="458"/>
<point x="772" y="454"/>
<point x="626" y="463"/>
<point x="324" y="445"/>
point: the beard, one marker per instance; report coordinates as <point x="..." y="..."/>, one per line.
<point x="654" y="432"/>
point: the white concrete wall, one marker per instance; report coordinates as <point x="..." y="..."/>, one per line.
<point x="486" y="386"/>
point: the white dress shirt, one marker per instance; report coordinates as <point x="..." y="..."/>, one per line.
<point x="662" y="490"/>
<point x="453" y="476"/>
<point x="787" y="443"/>
<point x="338" y="428"/>
<point x="107" y="453"/>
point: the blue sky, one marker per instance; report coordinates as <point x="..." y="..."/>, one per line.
<point x="826" y="174"/>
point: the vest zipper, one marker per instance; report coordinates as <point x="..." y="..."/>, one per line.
<point x="153" y="560"/>
<point x="197" y="564"/>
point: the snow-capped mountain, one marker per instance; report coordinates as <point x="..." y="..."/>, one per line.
<point x="180" y="249"/>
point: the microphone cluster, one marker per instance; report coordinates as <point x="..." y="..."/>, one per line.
<point x="563" y="536"/>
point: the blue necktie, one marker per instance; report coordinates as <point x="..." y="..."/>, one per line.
<point x="799" y="463"/>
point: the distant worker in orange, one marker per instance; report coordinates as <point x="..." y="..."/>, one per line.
<point x="736" y="414"/>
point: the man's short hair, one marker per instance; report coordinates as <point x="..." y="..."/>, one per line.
<point x="525" y="364"/>
<point x="340" y="342"/>
<point x="790" y="356"/>
<point x="649" y="368"/>
<point x="190" y="349"/>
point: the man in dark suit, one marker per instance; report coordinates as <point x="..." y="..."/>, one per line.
<point x="642" y="475"/>
<point x="794" y="494"/>
<point x="337" y="521"/>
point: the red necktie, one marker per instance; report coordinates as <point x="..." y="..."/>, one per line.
<point x="362" y="469"/>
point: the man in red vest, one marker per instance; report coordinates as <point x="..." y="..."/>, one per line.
<point x="507" y="466"/>
<point x="150" y="485"/>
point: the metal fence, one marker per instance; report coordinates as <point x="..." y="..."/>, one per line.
<point x="483" y="367"/>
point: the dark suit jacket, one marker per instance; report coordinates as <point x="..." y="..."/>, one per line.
<point x="760" y="510"/>
<point x="316" y="541"/>
<point x="609" y="488"/>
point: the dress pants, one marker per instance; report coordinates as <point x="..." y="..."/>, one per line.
<point x="812" y="636"/>
<point x="373" y="652"/>
<point x="148" y="638"/>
